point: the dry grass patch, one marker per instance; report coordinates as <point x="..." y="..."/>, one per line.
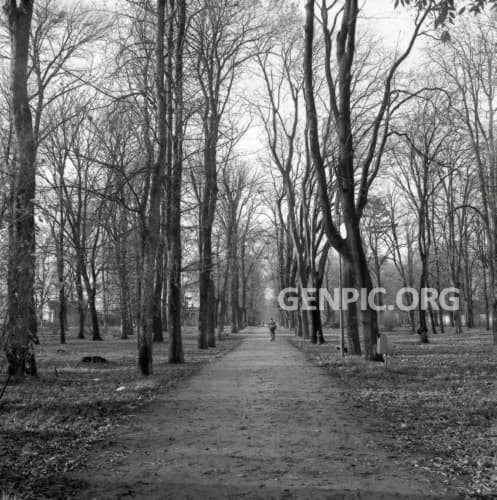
<point x="48" y="424"/>
<point x="435" y="402"/>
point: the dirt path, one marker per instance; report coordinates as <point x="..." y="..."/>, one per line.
<point x="261" y="422"/>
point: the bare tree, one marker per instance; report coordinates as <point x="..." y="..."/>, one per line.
<point x="473" y="74"/>
<point x="402" y="247"/>
<point x="221" y="33"/>
<point x="354" y="177"/>
<point x="21" y="327"/>
<point x="418" y="174"/>
<point x="151" y="241"/>
<point x="174" y="257"/>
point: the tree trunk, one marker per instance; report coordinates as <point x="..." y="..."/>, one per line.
<point x="174" y="258"/>
<point x="235" y="307"/>
<point x="345" y="164"/>
<point x="485" y="299"/>
<point x="457" y="316"/>
<point x="122" y="269"/>
<point x="157" y="300"/>
<point x="62" y="312"/>
<point x="91" y="294"/>
<point x="221" y="314"/>
<point x="105" y="306"/>
<point x="139" y="262"/>
<point x="317" y="325"/>
<point x="211" y="340"/>
<point x="222" y="304"/>
<point x="81" y="301"/>
<point x="304" y="322"/>
<point x="158" y="319"/>
<point x="21" y="315"/>
<point x="153" y="225"/>
<point x="439" y="315"/>
<point x="433" y="320"/>
<point x="243" y="310"/>
<point x="353" y="340"/>
<point x="203" y="311"/>
<point x="94" y="316"/>
<point x="315" y="313"/>
<point x="362" y="278"/>
<point x="126" y="318"/>
<point x="207" y="335"/>
<point x="164" y="301"/>
<point x="423" y="326"/>
<point x="468" y="285"/>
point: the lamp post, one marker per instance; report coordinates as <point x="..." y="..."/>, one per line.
<point x="266" y="249"/>
<point x="343" y="234"/>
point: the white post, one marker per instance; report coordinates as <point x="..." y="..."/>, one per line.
<point x="343" y="234"/>
<point x="340" y="285"/>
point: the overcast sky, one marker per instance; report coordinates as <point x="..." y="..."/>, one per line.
<point x="393" y="26"/>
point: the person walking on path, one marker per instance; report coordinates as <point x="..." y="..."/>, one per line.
<point x="272" y="328"/>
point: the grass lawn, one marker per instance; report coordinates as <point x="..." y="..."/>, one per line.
<point x="436" y="402"/>
<point x="48" y="424"/>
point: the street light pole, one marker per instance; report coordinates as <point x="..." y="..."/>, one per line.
<point x="340" y="284"/>
<point x="343" y="234"/>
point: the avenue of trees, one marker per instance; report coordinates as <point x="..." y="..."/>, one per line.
<point x="128" y="196"/>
